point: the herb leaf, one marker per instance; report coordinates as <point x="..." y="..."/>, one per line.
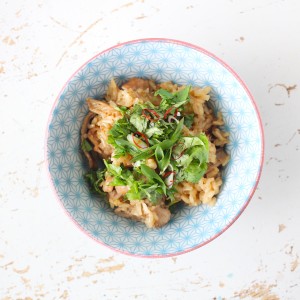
<point x="86" y="146"/>
<point x="152" y="176"/>
<point x="94" y="178"/>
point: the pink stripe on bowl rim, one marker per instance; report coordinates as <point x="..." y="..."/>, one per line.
<point x="226" y="66"/>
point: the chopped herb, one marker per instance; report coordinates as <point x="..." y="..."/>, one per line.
<point x="86" y="146"/>
<point x="148" y="131"/>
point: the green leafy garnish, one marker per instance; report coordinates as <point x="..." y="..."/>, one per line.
<point x="86" y="146"/>
<point x="176" y="100"/>
<point x="94" y="178"/>
<point x="147" y="131"/>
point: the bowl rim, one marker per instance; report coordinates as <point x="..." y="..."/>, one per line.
<point x="226" y="66"/>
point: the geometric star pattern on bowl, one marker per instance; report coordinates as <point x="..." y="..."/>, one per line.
<point x="160" y="60"/>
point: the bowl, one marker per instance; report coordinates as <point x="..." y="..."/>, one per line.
<point x="160" y="60"/>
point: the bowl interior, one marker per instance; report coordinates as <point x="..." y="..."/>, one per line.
<point x="160" y="60"/>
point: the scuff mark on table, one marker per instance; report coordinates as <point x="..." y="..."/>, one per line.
<point x="288" y="88"/>
<point x="281" y="227"/>
<point x="122" y="6"/>
<point x="21" y="271"/>
<point x="8" y="41"/>
<point x="78" y="38"/>
<point x="258" y="290"/>
<point x="295" y="264"/>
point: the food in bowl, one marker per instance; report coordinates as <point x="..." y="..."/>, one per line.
<point x="160" y="143"/>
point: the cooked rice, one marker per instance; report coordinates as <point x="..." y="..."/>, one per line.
<point x="139" y="90"/>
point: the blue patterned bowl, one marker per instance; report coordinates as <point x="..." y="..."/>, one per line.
<point x="161" y="60"/>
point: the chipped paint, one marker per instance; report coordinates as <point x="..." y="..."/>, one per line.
<point x="111" y="268"/>
<point x="258" y="290"/>
<point x="64" y="295"/>
<point x="295" y="264"/>
<point x="78" y="38"/>
<point x="281" y="227"/>
<point x="2" y="70"/>
<point x="240" y="39"/>
<point x="21" y="271"/>
<point x="288" y="88"/>
<point x="8" y="41"/>
<point x="105" y="260"/>
<point x="122" y="6"/>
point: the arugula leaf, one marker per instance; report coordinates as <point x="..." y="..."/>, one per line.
<point x="86" y="146"/>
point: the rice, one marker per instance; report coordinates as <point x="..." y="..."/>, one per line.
<point x="140" y="91"/>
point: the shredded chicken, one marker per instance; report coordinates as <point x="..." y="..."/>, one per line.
<point x="100" y="126"/>
<point x="152" y="216"/>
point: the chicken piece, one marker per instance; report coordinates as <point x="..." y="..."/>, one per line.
<point x="222" y="158"/>
<point x="136" y="83"/>
<point x="105" y="184"/>
<point x="212" y="153"/>
<point x="100" y="126"/>
<point x="151" y="163"/>
<point x="102" y="108"/>
<point x="125" y="160"/>
<point x="112" y="91"/>
<point x="152" y="216"/>
<point x="127" y="98"/>
<point x="133" y="91"/>
<point x="122" y="190"/>
<point x="163" y="216"/>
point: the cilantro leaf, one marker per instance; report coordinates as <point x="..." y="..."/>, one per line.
<point x="195" y="171"/>
<point x="139" y="122"/>
<point x="113" y="169"/>
<point x="154" y="131"/>
<point x="176" y="100"/>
